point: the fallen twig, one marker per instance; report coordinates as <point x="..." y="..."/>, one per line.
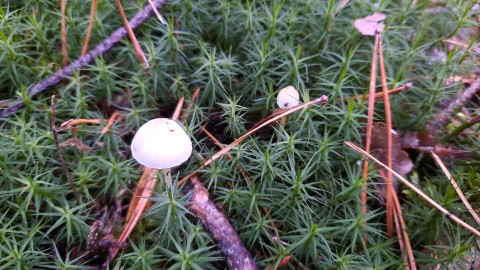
<point x="237" y="256"/>
<point x="440" y="120"/>
<point x="100" y="49"/>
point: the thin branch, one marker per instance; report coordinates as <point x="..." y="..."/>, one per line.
<point x="237" y="256"/>
<point x="100" y="49"/>
<point x="416" y="190"/>
<point x="60" y="155"/>
<point x="440" y="120"/>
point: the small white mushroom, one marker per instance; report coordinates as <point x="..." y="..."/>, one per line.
<point x="288" y="98"/>
<point x="161" y="144"/>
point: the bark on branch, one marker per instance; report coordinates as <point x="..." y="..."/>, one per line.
<point x="237" y="256"/>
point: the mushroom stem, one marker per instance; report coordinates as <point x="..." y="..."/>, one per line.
<point x="283" y="120"/>
<point x="168" y="177"/>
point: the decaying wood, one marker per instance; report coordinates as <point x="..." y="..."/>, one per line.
<point x="100" y="49"/>
<point x="237" y="256"/>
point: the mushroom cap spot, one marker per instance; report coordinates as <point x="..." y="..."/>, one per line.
<point x="161" y="143"/>
<point x="288" y="98"/>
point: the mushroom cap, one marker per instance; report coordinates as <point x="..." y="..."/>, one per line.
<point x="288" y="98"/>
<point x="161" y="143"/>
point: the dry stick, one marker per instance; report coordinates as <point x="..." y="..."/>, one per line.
<point x="455" y="186"/>
<point x="63" y="7"/>
<point x="416" y="190"/>
<point x="442" y="118"/>
<point x="371" y="107"/>
<point x="250" y="132"/>
<point x="138" y="49"/>
<point x="237" y="256"/>
<point x="388" y="119"/>
<point x="60" y="155"/>
<point x="67" y="71"/>
<point x="93" y="10"/>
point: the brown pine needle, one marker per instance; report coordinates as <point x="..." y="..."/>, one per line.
<point x="150" y="178"/>
<point x="93" y="11"/>
<point x="219" y="144"/>
<point x="455" y="186"/>
<point x="371" y="106"/>
<point x="142" y="183"/>
<point x="189" y="106"/>
<point x="69" y="124"/>
<point x="461" y="44"/>
<point x="403" y="238"/>
<point x="63" y="7"/>
<point x="416" y="190"/>
<point x="321" y="99"/>
<point x="388" y="119"/>
<point x="138" y="49"/>
<point x="110" y="122"/>
<point x="157" y="13"/>
<point x="178" y="109"/>
<point x="380" y="94"/>
<point x="404" y="234"/>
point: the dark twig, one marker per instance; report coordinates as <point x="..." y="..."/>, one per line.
<point x="237" y="256"/>
<point x="100" y="49"/>
<point x="59" y="153"/>
<point x="440" y="120"/>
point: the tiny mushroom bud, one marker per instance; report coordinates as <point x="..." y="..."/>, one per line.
<point x="288" y="98"/>
<point x="161" y="144"/>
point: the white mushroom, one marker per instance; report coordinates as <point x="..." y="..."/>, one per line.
<point x="161" y="144"/>
<point x="288" y="98"/>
